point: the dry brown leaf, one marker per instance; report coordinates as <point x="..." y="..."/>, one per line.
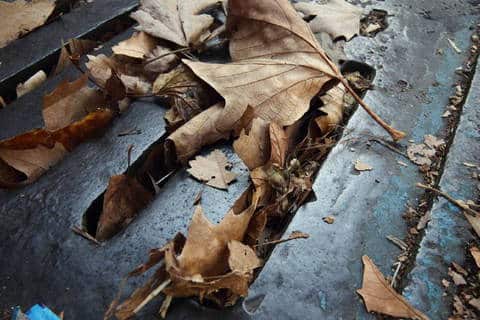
<point x="100" y="67"/>
<point x="422" y="154"/>
<point x="277" y="67"/>
<point x="70" y="102"/>
<point x="242" y="258"/>
<point x="33" y="82"/>
<point x="74" y="49"/>
<point x="333" y="106"/>
<point x="211" y="169"/>
<point x="178" y="21"/>
<point x="209" y="260"/>
<point x="159" y="60"/>
<point x="20" y="17"/>
<point x="133" y="76"/>
<point x="2" y="103"/>
<point x="476" y="255"/>
<point x="360" y="166"/>
<point x="197" y="133"/>
<point x="252" y="148"/>
<point x="335" y="17"/>
<point x="138" y="46"/>
<point x="380" y="297"/>
<point x="278" y="145"/>
<point x="206" y="250"/>
<point x="474" y="222"/>
<point x="24" y="158"/>
<point x="123" y="200"/>
<point x="457" y="278"/>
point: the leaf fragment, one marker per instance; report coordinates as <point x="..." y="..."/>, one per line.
<point x="361" y="166"/>
<point x="380" y="297"/>
<point x="20" y="17"/>
<point x="70" y="102"/>
<point x="335" y="17"/>
<point x="123" y="200"/>
<point x="476" y="255"/>
<point x="137" y="46"/>
<point x="33" y="82"/>
<point x="212" y="170"/>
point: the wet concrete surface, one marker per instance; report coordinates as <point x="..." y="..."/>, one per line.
<point x="448" y="231"/>
<point x="43" y="261"/>
<point x="24" y="57"/>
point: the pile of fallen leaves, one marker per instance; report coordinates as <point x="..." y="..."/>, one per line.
<point x="280" y="96"/>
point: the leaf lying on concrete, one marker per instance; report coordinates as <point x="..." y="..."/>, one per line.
<point x="20" y="17"/>
<point x="212" y="258"/>
<point x="335" y="17"/>
<point x="70" y="102"/>
<point x="24" y="158"/>
<point x="212" y="170"/>
<point x="178" y="21"/>
<point x="380" y="297"/>
<point x="124" y="198"/>
<point x="422" y="154"/>
<point x="361" y="166"/>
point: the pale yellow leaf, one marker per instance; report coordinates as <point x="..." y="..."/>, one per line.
<point x="137" y="46"/>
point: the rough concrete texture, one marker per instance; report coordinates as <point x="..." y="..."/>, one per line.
<point x="305" y="279"/>
<point x="24" y="57"/>
<point x="448" y="232"/>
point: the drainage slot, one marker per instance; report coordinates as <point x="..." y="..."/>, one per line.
<point x="127" y="194"/>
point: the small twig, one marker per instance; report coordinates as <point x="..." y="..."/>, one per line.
<point x="299" y="236"/>
<point x="385" y="144"/>
<point x="165" y="177"/>
<point x="86" y="235"/>
<point x="152" y="295"/>
<point x="130" y="132"/>
<point x="451" y="199"/>
<point x="399" y="264"/>
<point x="129" y="155"/>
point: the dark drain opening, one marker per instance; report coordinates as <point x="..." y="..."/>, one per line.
<point x="376" y="21"/>
<point x="145" y="176"/>
<point x="276" y="228"/>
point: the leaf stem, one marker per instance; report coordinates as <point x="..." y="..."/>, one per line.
<point x="152" y="295"/>
<point x="451" y="199"/>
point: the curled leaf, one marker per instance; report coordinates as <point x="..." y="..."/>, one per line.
<point x="24" y="158"/>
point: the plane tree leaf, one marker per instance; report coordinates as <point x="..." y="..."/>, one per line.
<point x="178" y="21"/>
<point x="24" y="158"/>
<point x="277" y="64"/>
<point x="380" y="297"/>
<point x="212" y="170"/>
